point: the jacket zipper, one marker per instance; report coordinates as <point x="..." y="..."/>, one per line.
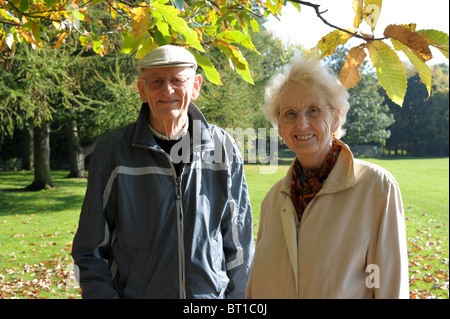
<point x="180" y="230"/>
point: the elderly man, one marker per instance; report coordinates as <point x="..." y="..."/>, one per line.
<point x="167" y="211"/>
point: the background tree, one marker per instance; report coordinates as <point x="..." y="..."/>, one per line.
<point x="40" y="86"/>
<point x="108" y="92"/>
<point x="421" y="126"/>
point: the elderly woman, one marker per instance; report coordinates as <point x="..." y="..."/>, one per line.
<point x="333" y="227"/>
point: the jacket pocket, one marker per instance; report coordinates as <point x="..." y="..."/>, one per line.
<point x="133" y="287"/>
<point x="151" y="277"/>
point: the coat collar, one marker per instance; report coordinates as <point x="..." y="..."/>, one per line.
<point x="143" y="137"/>
<point x="341" y="177"/>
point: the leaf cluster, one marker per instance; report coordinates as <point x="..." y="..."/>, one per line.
<point x="144" y="25"/>
<point x="383" y="51"/>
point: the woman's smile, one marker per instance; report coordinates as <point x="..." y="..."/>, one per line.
<point x="304" y="137"/>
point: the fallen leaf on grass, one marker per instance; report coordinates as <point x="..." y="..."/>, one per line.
<point x="48" y="276"/>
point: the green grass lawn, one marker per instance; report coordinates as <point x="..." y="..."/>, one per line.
<point x="36" y="235"/>
<point x="37" y="228"/>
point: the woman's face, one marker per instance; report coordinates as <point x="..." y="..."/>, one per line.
<point x="306" y="123"/>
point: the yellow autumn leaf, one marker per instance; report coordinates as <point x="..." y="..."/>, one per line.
<point x="27" y="35"/>
<point x="422" y="67"/>
<point x="61" y="39"/>
<point x="140" y="16"/>
<point x="371" y="12"/>
<point x="327" y="45"/>
<point x="390" y="70"/>
<point x="112" y="12"/>
<point x="349" y="75"/>
<point x="357" y="6"/>
<point x="413" y="40"/>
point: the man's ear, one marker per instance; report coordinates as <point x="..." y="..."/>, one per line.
<point x="141" y="87"/>
<point x="197" y="85"/>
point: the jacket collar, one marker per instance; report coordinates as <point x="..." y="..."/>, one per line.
<point x="341" y="177"/>
<point x="143" y="137"/>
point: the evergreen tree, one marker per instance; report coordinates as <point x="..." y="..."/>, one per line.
<point x="421" y="126"/>
<point x="38" y="86"/>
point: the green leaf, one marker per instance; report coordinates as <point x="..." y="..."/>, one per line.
<point x="162" y="26"/>
<point x="130" y="43"/>
<point x="146" y="46"/>
<point x="438" y="39"/>
<point x="255" y="25"/>
<point x="237" y="37"/>
<point x="161" y="39"/>
<point x="24" y="5"/>
<point x="77" y="15"/>
<point x="422" y="67"/>
<point x="50" y="3"/>
<point x="390" y="70"/>
<point x="84" y="40"/>
<point x="178" y="24"/>
<point x="209" y="69"/>
<point x="237" y="60"/>
<point x="97" y="45"/>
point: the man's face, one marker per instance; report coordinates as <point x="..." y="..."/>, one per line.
<point x="168" y="92"/>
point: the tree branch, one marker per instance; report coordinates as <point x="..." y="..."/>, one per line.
<point x="319" y="15"/>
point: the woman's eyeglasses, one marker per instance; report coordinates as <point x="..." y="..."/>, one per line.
<point x="310" y="112"/>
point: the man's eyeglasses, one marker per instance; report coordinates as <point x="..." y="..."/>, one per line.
<point x="177" y="82"/>
<point x="310" y="112"/>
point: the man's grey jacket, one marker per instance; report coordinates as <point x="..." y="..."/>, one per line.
<point x="146" y="232"/>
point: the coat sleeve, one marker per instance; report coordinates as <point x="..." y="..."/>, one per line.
<point x="389" y="270"/>
<point x="237" y="231"/>
<point x="90" y="245"/>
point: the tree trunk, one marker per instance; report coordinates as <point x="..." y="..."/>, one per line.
<point x="77" y="153"/>
<point x="27" y="149"/>
<point x="42" y="174"/>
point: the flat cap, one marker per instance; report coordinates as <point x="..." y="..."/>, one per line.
<point x="167" y="55"/>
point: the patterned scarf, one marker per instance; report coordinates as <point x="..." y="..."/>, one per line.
<point x="305" y="185"/>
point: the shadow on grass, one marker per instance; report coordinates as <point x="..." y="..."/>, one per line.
<point x="16" y="198"/>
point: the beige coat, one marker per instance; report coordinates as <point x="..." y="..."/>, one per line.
<point x="351" y="242"/>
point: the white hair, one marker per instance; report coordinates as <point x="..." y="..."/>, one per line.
<point x="310" y="72"/>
